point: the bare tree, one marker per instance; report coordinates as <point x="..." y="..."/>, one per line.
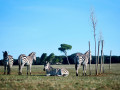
<point x="89" y="60"/>
<point x="101" y="65"/>
<point x="98" y="56"/>
<point x="110" y="60"/>
<point x="94" y="22"/>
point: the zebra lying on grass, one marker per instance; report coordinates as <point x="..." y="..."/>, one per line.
<point x="81" y="59"/>
<point x="50" y="71"/>
<point x="28" y="60"/>
<point x="8" y="62"/>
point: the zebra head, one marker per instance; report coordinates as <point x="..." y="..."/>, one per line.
<point x="78" y="58"/>
<point x="46" y="66"/>
<point x="5" y="55"/>
<point x="32" y="54"/>
<point x="87" y="55"/>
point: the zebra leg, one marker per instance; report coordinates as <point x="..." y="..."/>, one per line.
<point x="21" y="69"/>
<point x="4" y="69"/>
<point x="83" y="70"/>
<point x="77" y="72"/>
<point x="76" y="69"/>
<point x="30" y="69"/>
<point x="27" y="69"/>
<point x="8" y="69"/>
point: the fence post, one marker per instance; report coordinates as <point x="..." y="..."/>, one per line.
<point x="110" y="60"/>
<point x="89" y="60"/>
<point x="101" y="65"/>
<point x="98" y="56"/>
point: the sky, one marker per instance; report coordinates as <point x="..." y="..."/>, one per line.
<point x="42" y="25"/>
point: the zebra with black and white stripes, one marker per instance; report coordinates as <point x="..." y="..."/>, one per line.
<point x="8" y="62"/>
<point x="81" y="59"/>
<point x="50" y="71"/>
<point x="28" y="60"/>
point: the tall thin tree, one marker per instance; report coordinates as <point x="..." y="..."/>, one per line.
<point x="63" y="49"/>
<point x="94" y="22"/>
<point x="110" y="60"/>
<point x="101" y="65"/>
<point x="89" y="60"/>
<point x="98" y="56"/>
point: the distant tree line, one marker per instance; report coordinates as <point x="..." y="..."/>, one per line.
<point x="53" y="59"/>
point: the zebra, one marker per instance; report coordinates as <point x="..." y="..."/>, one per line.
<point x="28" y="60"/>
<point x="81" y="59"/>
<point x="50" y="71"/>
<point x="8" y="62"/>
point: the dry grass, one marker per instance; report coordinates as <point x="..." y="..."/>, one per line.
<point x="38" y="81"/>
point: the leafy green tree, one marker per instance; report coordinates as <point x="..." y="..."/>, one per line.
<point x="57" y="59"/>
<point x="43" y="58"/>
<point x="64" y="48"/>
<point x="37" y="61"/>
<point x="50" y="57"/>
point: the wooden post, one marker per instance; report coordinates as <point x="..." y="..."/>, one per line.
<point x="110" y="60"/>
<point x="101" y="58"/>
<point x="98" y="56"/>
<point x="102" y="55"/>
<point x="89" y="60"/>
<point x="103" y="64"/>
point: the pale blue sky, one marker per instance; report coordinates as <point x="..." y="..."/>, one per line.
<point x="42" y="25"/>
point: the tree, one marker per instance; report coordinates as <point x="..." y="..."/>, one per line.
<point x="57" y="59"/>
<point x="50" y="57"/>
<point x="63" y="49"/>
<point x="110" y="60"/>
<point x="43" y="58"/>
<point x="94" y="22"/>
<point x="37" y="62"/>
<point x="89" y="60"/>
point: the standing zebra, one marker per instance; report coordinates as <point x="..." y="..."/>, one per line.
<point x="81" y="59"/>
<point x="28" y="60"/>
<point x="50" y="71"/>
<point x="8" y="62"/>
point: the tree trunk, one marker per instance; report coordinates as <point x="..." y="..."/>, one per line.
<point x="101" y="58"/>
<point x="103" y="64"/>
<point x="110" y="60"/>
<point x="89" y="60"/>
<point x="98" y="56"/>
<point x="66" y="57"/>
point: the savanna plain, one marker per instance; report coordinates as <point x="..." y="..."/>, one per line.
<point x="109" y="80"/>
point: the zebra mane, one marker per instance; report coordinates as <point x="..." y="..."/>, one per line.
<point x="32" y="53"/>
<point x="79" y="54"/>
<point x="87" y="52"/>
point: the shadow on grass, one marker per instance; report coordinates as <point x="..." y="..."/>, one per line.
<point x="37" y="75"/>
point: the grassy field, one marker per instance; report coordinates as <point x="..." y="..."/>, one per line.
<point x="110" y="80"/>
